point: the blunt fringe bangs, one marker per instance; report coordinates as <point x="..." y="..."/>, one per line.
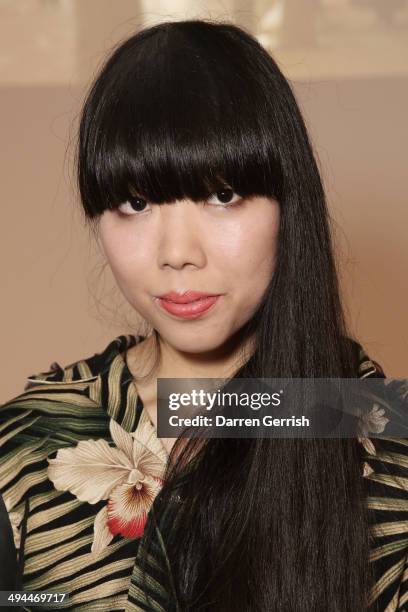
<point x="179" y="111"/>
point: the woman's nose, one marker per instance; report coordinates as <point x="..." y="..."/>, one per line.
<point x="180" y="241"/>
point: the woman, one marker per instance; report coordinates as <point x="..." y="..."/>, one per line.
<point x="196" y="172"/>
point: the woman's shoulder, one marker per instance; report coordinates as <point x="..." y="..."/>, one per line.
<point x="85" y="369"/>
<point x="47" y="395"/>
<point x="57" y="408"/>
<point x="69" y="383"/>
<point x="367" y="366"/>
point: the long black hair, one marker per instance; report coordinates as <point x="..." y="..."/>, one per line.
<point x="178" y="110"/>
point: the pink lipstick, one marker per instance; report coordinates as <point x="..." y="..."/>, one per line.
<point x="188" y="305"/>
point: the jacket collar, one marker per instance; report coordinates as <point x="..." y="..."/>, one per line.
<point x="105" y="378"/>
<point x="113" y="388"/>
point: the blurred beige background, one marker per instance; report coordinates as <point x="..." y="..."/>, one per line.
<point x="348" y="63"/>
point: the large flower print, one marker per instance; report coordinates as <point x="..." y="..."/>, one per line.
<point x="128" y="476"/>
<point x="374" y="421"/>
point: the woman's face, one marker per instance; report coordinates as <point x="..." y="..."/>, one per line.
<point x="212" y="246"/>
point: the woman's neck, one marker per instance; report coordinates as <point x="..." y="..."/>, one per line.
<point x="222" y="362"/>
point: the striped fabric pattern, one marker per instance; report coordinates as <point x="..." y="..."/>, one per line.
<point x="63" y="406"/>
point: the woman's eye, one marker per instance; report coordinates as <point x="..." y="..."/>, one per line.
<point x="226" y="196"/>
<point x="133" y="206"/>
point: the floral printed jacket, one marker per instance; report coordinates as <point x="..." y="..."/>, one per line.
<point x="81" y="465"/>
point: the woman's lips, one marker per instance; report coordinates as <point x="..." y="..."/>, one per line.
<point x="186" y="297"/>
<point x="190" y="310"/>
